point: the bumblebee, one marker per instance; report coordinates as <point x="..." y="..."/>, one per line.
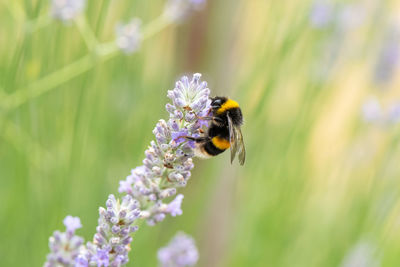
<point x="224" y="131"/>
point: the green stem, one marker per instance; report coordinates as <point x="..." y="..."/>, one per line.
<point x="48" y="82"/>
<point x="86" y="32"/>
<point x="155" y="26"/>
<point x="24" y="143"/>
<point x="16" y="10"/>
<point x="101" y="53"/>
<point x="38" y="23"/>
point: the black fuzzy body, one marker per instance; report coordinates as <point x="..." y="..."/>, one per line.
<point x="219" y="126"/>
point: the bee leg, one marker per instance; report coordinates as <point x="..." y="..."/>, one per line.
<point x="208" y="118"/>
<point x="196" y="139"/>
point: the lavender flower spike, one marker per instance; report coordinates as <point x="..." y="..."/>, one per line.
<point x="181" y="251"/>
<point x="66" y="10"/>
<point x="64" y="246"/>
<point x="169" y="158"/>
<point x="111" y="243"/>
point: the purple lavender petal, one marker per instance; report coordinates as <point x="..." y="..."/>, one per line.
<point x="181" y="251"/>
<point x="102" y="258"/>
<point x="72" y="223"/>
<point x="174" y="208"/>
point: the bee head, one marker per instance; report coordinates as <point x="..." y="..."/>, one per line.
<point x="216" y="102"/>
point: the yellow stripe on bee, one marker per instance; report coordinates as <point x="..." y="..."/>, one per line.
<point x="227" y="105"/>
<point x="220" y="143"/>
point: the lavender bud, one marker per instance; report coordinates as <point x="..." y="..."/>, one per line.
<point x="170" y="108"/>
<point x="125" y="231"/>
<point x="64" y="247"/>
<point x="168" y="193"/>
<point x="115" y="229"/>
<point x="159" y="217"/>
<point x="152" y="197"/>
<point x="189" y="117"/>
<point x="133" y="228"/>
<point x="174" y="208"/>
<point x="170" y="95"/>
<point x="127" y="240"/>
<point x="178" y="114"/>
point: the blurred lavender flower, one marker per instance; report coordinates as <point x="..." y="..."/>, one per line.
<point x="181" y="251"/>
<point x="64" y="246"/>
<point x="372" y="111"/>
<point x="169" y="158"/>
<point x="111" y="243"/>
<point x="66" y="10"/>
<point x="388" y="58"/>
<point x="362" y="255"/>
<point x="351" y="16"/>
<point x="321" y="15"/>
<point x="179" y="10"/>
<point x="129" y="36"/>
<point x="394" y="114"/>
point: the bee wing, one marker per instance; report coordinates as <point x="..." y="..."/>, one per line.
<point x="232" y="138"/>
<point x="240" y="144"/>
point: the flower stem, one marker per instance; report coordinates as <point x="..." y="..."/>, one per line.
<point x="24" y="143"/>
<point x="102" y="52"/>
<point x="16" y="10"/>
<point x="86" y="32"/>
<point x="155" y="26"/>
<point x="48" y="82"/>
<point x="38" y="23"/>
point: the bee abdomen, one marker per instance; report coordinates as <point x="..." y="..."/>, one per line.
<point x="216" y="146"/>
<point x="220" y="143"/>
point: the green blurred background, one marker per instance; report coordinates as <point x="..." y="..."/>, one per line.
<point x="318" y="85"/>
